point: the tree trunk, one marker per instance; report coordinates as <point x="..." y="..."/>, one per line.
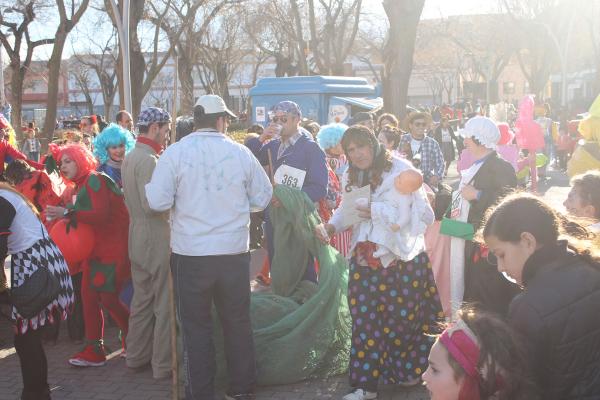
<point x="108" y="92"/>
<point x="89" y="103"/>
<point x="403" y="16"/>
<point x="186" y="79"/>
<point x="54" y="64"/>
<point x="16" y="87"/>
<point x="138" y="67"/>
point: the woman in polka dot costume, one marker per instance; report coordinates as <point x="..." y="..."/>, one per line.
<point x="393" y="308"/>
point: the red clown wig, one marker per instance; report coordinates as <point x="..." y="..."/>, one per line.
<point x="84" y="159"/>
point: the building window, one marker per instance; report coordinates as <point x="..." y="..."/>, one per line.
<point x="508" y="88"/>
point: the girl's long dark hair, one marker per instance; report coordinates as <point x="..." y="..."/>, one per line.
<point x="382" y="159"/>
<point x="522" y="212"/>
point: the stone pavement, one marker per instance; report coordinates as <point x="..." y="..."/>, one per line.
<point x="116" y="382"/>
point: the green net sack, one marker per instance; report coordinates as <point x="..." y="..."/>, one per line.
<point x="301" y="330"/>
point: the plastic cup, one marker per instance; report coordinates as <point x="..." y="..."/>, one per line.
<point x="276" y="130"/>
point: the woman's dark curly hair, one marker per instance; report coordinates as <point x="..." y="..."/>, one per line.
<point x="382" y="159"/>
<point x="17" y="171"/>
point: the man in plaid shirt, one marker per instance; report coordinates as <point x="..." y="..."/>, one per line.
<point x="424" y="151"/>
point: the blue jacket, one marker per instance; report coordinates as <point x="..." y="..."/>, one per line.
<point x="305" y="154"/>
<point x="114" y="173"/>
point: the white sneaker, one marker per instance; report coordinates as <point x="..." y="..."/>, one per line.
<point x="360" y="394"/>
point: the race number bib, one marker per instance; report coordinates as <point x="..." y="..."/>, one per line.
<point x="290" y="176"/>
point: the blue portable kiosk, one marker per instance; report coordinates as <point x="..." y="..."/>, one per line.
<point x="324" y="99"/>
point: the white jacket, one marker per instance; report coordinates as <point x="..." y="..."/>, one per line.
<point x="210" y="184"/>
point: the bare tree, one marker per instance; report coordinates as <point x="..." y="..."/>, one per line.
<point x="542" y="26"/>
<point x="220" y="54"/>
<point x="262" y="23"/>
<point x="305" y="37"/>
<point x="185" y="26"/>
<point x="593" y="29"/>
<point x="449" y="44"/>
<point x="81" y="76"/>
<point x="370" y="47"/>
<point x="403" y="19"/>
<point x="17" y="25"/>
<point x="143" y="71"/>
<point x="69" y="16"/>
<point x="101" y="58"/>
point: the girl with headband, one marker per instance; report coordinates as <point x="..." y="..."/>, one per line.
<point x="478" y="358"/>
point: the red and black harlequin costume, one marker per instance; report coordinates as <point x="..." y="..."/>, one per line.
<point x="99" y="203"/>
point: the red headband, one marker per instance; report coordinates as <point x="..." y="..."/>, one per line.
<point x="466" y="352"/>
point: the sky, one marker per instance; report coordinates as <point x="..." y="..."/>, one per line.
<point x="432" y="9"/>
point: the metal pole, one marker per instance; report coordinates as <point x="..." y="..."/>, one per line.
<point x="124" y="45"/>
<point x="127" y="63"/>
<point x="174" y="108"/>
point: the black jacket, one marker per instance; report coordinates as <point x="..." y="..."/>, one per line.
<point x="495" y="178"/>
<point x="437" y="135"/>
<point x="558" y="315"/>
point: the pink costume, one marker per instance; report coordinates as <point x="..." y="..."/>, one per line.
<point x="529" y="135"/>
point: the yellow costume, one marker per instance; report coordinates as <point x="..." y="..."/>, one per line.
<point x="586" y="156"/>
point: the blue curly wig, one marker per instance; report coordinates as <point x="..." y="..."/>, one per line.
<point x="112" y="135"/>
<point x="330" y="135"/>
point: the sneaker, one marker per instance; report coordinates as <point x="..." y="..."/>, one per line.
<point x="89" y="357"/>
<point x="239" y="396"/>
<point x="360" y="394"/>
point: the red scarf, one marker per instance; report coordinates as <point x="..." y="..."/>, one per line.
<point x="155" y="146"/>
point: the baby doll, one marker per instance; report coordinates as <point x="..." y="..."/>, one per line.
<point x="400" y="220"/>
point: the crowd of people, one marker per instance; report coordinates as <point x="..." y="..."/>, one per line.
<point x="515" y="282"/>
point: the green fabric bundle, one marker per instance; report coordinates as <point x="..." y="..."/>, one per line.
<point x="301" y="330"/>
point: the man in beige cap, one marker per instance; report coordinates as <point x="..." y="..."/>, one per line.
<point x="149" y="337"/>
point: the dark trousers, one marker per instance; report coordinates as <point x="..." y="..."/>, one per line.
<point x="224" y="280"/>
<point x="34" y="367"/>
<point x="75" y="320"/>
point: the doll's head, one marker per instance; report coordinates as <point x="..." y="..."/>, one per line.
<point x="408" y="181"/>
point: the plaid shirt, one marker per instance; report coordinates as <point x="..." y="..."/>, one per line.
<point x="432" y="158"/>
<point x="287" y="144"/>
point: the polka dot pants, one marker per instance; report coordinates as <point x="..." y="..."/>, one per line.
<point x="392" y="309"/>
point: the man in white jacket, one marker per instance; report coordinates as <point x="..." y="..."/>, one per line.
<point x="211" y="184"/>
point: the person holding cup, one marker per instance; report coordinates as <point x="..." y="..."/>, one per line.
<point x="393" y="300"/>
<point x="292" y="158"/>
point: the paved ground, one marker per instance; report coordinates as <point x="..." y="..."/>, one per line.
<point x="115" y="381"/>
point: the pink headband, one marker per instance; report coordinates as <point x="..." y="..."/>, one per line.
<point x="463" y="349"/>
<point x="460" y="343"/>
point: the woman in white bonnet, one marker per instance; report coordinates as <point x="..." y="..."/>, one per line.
<point x="482" y="185"/>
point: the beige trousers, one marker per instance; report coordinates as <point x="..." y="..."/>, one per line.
<point x="149" y="337"/>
